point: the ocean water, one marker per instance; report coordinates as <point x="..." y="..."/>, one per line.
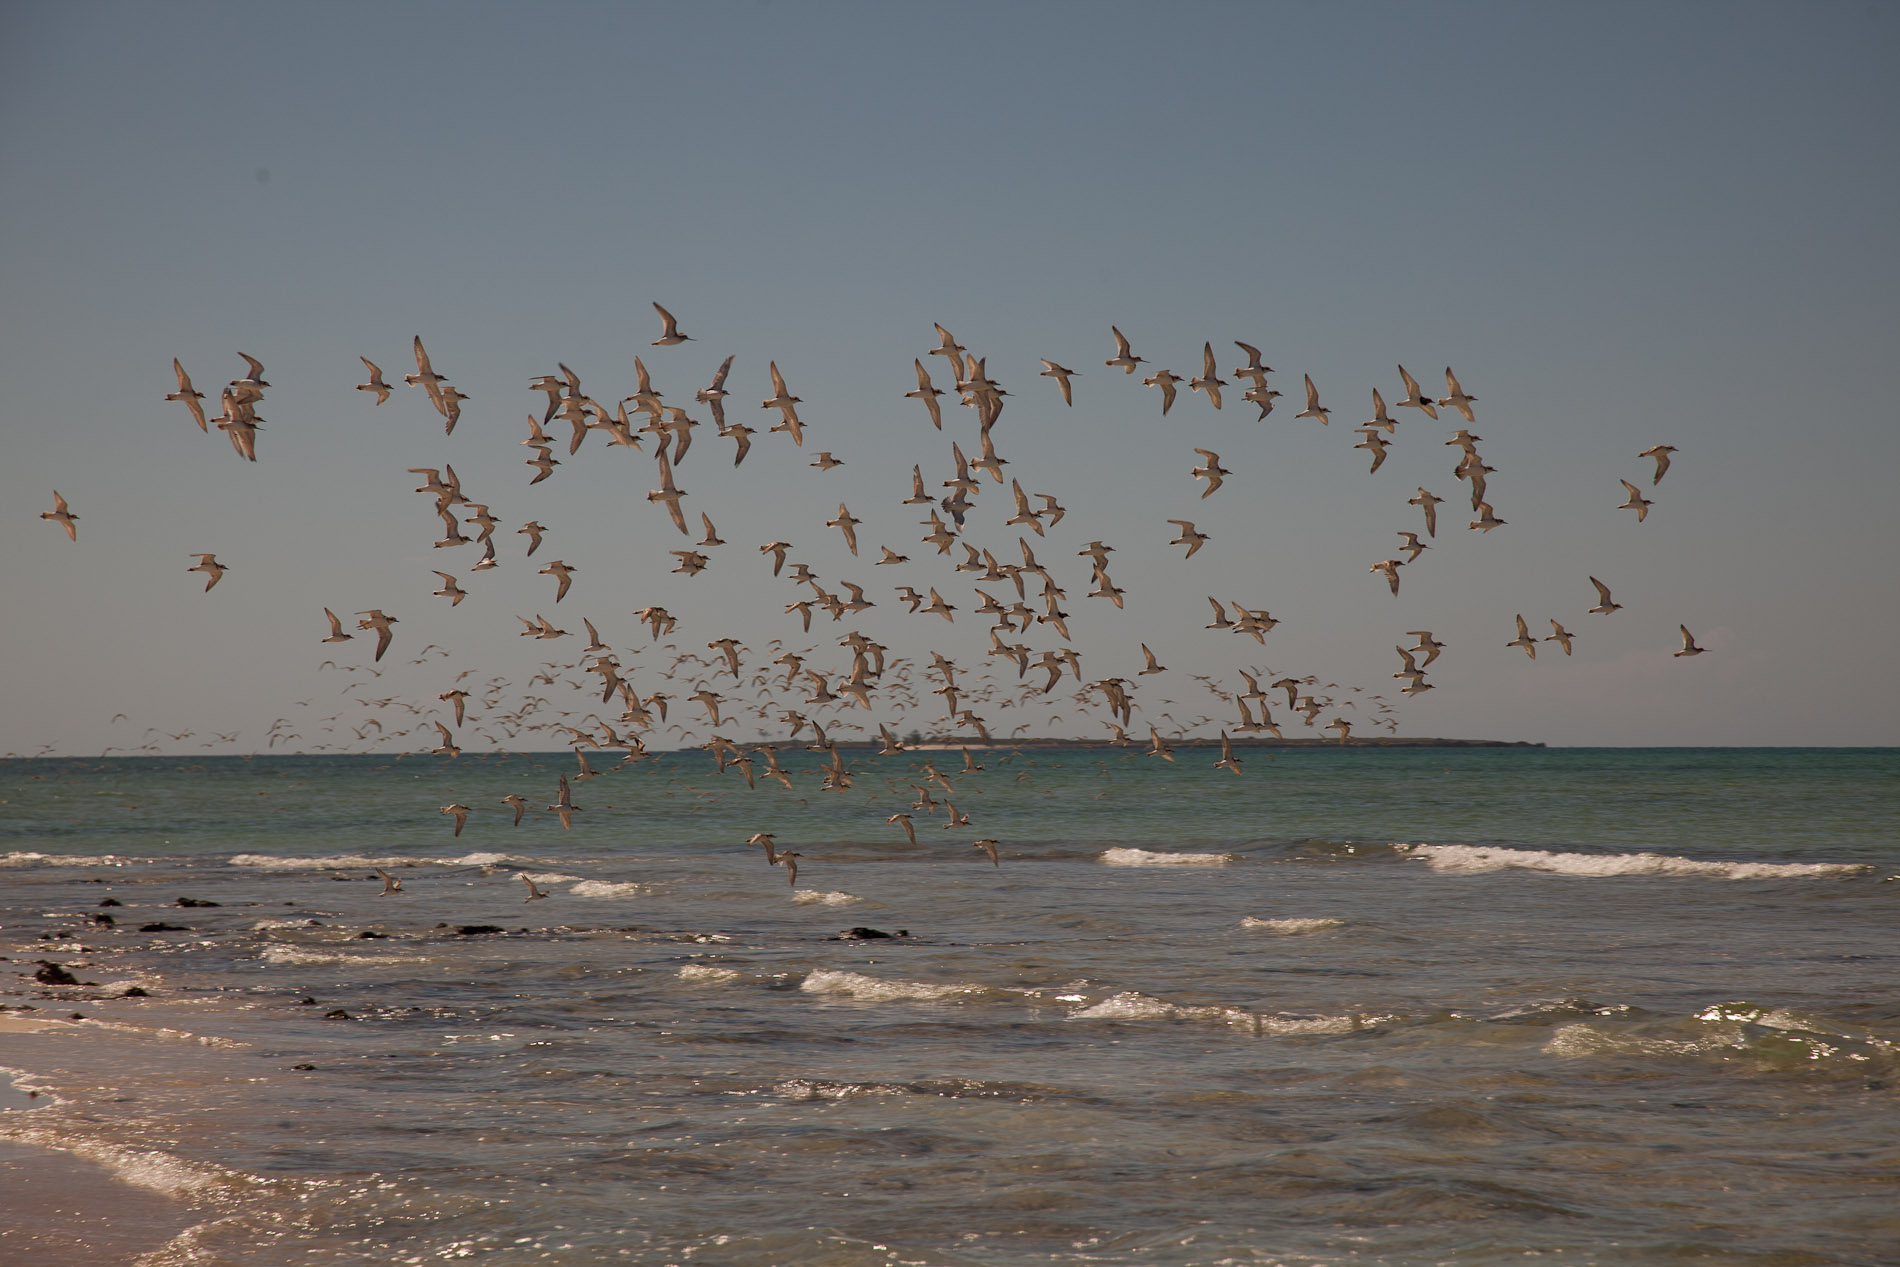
<point x="1431" y="1005"/>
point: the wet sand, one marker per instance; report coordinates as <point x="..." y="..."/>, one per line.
<point x="59" y="1210"/>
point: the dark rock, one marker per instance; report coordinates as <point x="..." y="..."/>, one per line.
<point x="477" y="930"/>
<point x="862" y="933"/>
<point x="193" y="901"/>
<point x="101" y="918"/>
<point x="304" y="1068"/>
<point x="51" y="973"/>
<point x="368" y="935"/>
<point x="136" y="992"/>
<point x="162" y="927"/>
<point x="337" y="1015"/>
<point x="112" y="901"/>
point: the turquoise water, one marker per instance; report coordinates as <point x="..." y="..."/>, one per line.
<point x="1458" y="1005"/>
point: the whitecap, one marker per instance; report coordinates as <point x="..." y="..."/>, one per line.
<point x="608" y="888"/>
<point x="1472" y="859"/>
<point x="876" y="989"/>
<point x="827" y="899"/>
<point x="27" y="858"/>
<point x="708" y="974"/>
<point x="1291" y="926"/>
<point x="341" y="861"/>
<point x="1132" y="1005"/>
<point x="302" y="954"/>
<point x="1124" y="857"/>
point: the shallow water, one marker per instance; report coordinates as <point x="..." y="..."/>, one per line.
<point x="1425" y="1005"/>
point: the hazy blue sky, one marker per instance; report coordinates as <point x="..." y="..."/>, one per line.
<point x="1622" y="224"/>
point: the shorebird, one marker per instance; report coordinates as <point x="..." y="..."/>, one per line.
<point x="1455" y="396"/>
<point x="768" y="840"/>
<point x="1427" y="502"/>
<point x="461" y="816"/>
<point x="949" y="349"/>
<point x="988" y="846"/>
<point x="336" y="628"/>
<point x="1688" y="643"/>
<point x="1227" y="759"/>
<point x="1159" y="746"/>
<point x="1375" y="444"/>
<point x="534" y="892"/>
<point x="846" y="524"/>
<point x="790" y="859"/>
<point x="1153" y="666"/>
<point x="532" y="530"/>
<point x="1660" y="452"/>
<point x="1416" y="399"/>
<point x="1604" y="604"/>
<point x="1487" y="519"/>
<point x="1380" y="418"/>
<point x="1123" y="357"/>
<point x="928" y="393"/>
<point x="1412" y="544"/>
<point x="1253" y="371"/>
<point x="380" y="623"/>
<point x="671" y="335"/>
<point x="714" y="395"/>
<point x="1062" y="376"/>
<point x="1212" y="471"/>
<point x="1637" y="502"/>
<point x="1426" y="643"/>
<point x="208" y="564"/>
<point x="191" y="396"/>
<point x="1190" y="538"/>
<point x="903" y="820"/>
<point x="561" y="572"/>
<point x="448" y="748"/>
<point x="1524" y="639"/>
<point x="565" y="807"/>
<point x="1313" y="408"/>
<point x="65" y="518"/>
<point x="1165" y="380"/>
<point x="519" y="802"/>
<point x="1560" y="636"/>
<point x="390" y="883"/>
<point x="1207" y="382"/>
<point x="1391" y="569"/>
<point x="670" y="493"/>
<point x="450" y="590"/>
<point x="786" y="404"/>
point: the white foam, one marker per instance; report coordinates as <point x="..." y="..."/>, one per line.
<point x="1471" y="859"/>
<point x="1123" y="857"/>
<point x="1291" y="926"/>
<point x="159" y="1172"/>
<point x="262" y="924"/>
<point x="301" y="954"/>
<point x="608" y="888"/>
<point x="708" y="974"/>
<point x="877" y="989"/>
<point x="26" y="858"/>
<point x="550" y="877"/>
<point x="1132" y="1005"/>
<point x="341" y="861"/>
<point x="824" y="898"/>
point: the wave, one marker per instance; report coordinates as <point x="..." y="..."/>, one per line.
<point x="1134" y="1006"/>
<point x="27" y="858"/>
<point x="1291" y="926"/>
<point x="708" y="974"/>
<point x="302" y="954"/>
<point x="334" y="862"/>
<point x="609" y="888"/>
<point x="158" y="1172"/>
<point x="827" y="899"/>
<point x="1765" y="1039"/>
<point x="877" y="989"/>
<point x="1473" y="859"/>
<point x="1125" y="857"/>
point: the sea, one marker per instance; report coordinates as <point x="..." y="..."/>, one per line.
<point x="1354" y="1005"/>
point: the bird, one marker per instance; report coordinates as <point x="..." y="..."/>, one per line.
<point x="786" y="404"/>
<point x="1604" y="604"/>
<point x="1380" y="418"/>
<point x="1426" y="643"/>
<point x="1227" y="759"/>
<point x="461" y="816"/>
<point x="1524" y="639"/>
<point x="1637" y="502"/>
<point x="336" y="627"/>
<point x="208" y="564"/>
<point x="1375" y="444"/>
<point x="390" y="883"/>
<point x="1207" y="382"/>
<point x="1416" y="399"/>
<point x="790" y="859"/>
<point x="846" y="524"/>
<point x="1427" y="502"/>
<point x="376" y="383"/>
<point x="1212" y="471"/>
<point x="1153" y="666"/>
<point x="928" y="393"/>
<point x="1391" y="569"/>
<point x="1660" y="452"/>
<point x="1313" y="408"/>
<point x="532" y="530"/>
<point x="949" y="349"/>
<point x="1412" y="544"/>
<point x="190" y="395"/>
<point x="380" y="623"/>
<point x="825" y="461"/>
<point x="903" y="820"/>
<point x="1062" y="376"/>
<point x="1688" y="643"/>
<point x="450" y="590"/>
<point x="1487" y="519"/>
<point x="65" y="518"/>
<point x="671" y="335"/>
<point x="670" y="493"/>
<point x="448" y="748"/>
<point x="1560" y="636"/>
<point x="561" y="572"/>
<point x="564" y="806"/>
<point x="1165" y="380"/>
<point x="988" y="846"/>
<point x="519" y="802"/>
<point x="1190" y="538"/>
<point x="1159" y="746"/>
<point x="534" y="891"/>
<point x="1123" y="356"/>
<point x="1456" y="397"/>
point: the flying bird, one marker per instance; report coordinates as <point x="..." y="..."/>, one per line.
<point x="671" y="335"/>
<point x="65" y="518"/>
<point x="214" y="571"/>
<point x="190" y="395"/>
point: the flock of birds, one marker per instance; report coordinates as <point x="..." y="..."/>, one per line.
<point x="719" y="679"/>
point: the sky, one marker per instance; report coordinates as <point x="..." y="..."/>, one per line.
<point x="1622" y="224"/>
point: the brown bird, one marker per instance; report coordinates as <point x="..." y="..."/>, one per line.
<point x="65" y="518"/>
<point x="214" y="571"/>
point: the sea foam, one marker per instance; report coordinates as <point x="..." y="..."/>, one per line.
<point x="1124" y="857"/>
<point x="877" y="989"/>
<point x="1291" y="926"/>
<point x="1471" y="859"/>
